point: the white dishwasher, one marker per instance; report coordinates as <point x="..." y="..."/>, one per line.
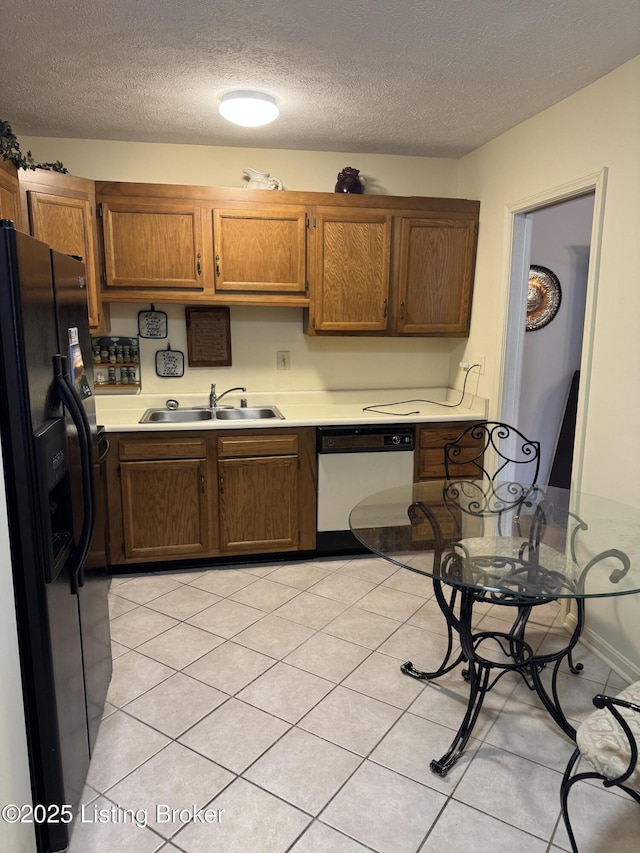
<point x="354" y="462"/>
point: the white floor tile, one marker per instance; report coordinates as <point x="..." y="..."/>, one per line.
<point x="333" y="742"/>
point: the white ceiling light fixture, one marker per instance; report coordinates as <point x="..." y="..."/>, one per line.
<point x="249" y="109"/>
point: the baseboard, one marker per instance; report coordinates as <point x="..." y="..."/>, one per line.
<point x="605" y="651"/>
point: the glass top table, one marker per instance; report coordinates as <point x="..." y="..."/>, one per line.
<point x="509" y="544"/>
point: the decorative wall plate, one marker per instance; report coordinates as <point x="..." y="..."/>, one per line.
<point x="544" y="296"/>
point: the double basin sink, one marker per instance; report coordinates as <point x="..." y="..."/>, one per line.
<point x="182" y="416"/>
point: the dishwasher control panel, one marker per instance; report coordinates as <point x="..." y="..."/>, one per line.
<point x="365" y="439"/>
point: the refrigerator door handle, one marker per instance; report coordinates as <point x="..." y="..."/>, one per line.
<point x="78" y="415"/>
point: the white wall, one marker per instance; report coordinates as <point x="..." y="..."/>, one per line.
<point x="15" y="786"/>
<point x="311" y="171"/>
<point x="560" y="242"/>
<point x="597" y="127"/>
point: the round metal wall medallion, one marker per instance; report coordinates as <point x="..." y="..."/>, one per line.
<point x="544" y="296"/>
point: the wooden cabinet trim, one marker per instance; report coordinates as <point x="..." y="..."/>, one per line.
<point x="154" y="449"/>
<point x="246" y="446"/>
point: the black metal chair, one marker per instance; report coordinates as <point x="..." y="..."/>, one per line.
<point x="474" y="493"/>
<point x="608" y="740"/>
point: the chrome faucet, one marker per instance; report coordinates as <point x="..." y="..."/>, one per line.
<point x="215" y="398"/>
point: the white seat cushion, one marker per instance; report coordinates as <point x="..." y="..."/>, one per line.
<point x="603" y="743"/>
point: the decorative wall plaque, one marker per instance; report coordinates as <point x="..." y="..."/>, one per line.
<point x="208" y="337"/>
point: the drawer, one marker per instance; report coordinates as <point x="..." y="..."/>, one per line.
<point x="431" y="465"/>
<point x="265" y="445"/>
<point x="159" y="448"/>
<point x="445" y="434"/>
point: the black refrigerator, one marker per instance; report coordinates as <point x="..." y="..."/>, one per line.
<point x="53" y="456"/>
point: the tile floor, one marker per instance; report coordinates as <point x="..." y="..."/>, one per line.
<point x="272" y="695"/>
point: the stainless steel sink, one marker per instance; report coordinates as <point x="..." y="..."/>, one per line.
<point x="247" y="414"/>
<point x="177" y="416"/>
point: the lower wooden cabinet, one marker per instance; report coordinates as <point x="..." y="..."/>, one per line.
<point x="188" y="495"/>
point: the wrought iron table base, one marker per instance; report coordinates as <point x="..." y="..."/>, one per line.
<point x="518" y="657"/>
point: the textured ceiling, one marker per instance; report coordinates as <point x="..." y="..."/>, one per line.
<point x="423" y="77"/>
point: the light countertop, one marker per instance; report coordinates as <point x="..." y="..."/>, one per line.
<point x="122" y="413"/>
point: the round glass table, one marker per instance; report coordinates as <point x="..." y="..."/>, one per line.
<point x="509" y="544"/>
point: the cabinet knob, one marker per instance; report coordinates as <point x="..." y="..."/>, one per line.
<point x="218" y="265"/>
<point x="402" y="310"/>
<point x="202" y="483"/>
<point x="384" y="308"/>
<point x="199" y="265"/>
<point x="221" y="484"/>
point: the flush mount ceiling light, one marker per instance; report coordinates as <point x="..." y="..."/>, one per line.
<point x="249" y="109"/>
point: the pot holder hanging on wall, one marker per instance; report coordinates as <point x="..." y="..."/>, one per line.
<point x="169" y="363"/>
<point x="152" y="324"/>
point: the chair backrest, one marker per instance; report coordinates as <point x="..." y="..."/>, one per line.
<point x="516" y="458"/>
<point x="511" y="486"/>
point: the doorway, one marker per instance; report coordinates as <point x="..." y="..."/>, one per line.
<point x="560" y="228"/>
<point x="549" y="387"/>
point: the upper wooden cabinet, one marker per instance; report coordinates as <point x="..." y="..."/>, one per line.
<point x="391" y="273"/>
<point x="10" y="194"/>
<point x="150" y="246"/>
<point x="352" y="251"/>
<point x="260" y="251"/>
<point x="358" y="265"/>
<point x="60" y="211"/>
<point x="435" y="276"/>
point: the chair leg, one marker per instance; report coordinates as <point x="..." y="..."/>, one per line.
<point x="565" y="787"/>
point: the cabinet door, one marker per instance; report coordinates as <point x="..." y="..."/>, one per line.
<point x="66" y="224"/>
<point x="154" y="246"/>
<point x="164" y="508"/>
<point x="260" y="250"/>
<point x="435" y="280"/>
<point x="431" y="442"/>
<point x="10" y="194"/>
<point x="258" y="503"/>
<point x="351" y="271"/>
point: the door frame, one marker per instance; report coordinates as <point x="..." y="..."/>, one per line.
<point x="519" y="226"/>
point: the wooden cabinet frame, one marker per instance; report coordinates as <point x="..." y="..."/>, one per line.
<point x="274" y="459"/>
<point x="283" y="266"/>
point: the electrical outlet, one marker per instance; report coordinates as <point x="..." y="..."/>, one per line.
<point x="284" y="359"/>
<point x="478" y="359"/>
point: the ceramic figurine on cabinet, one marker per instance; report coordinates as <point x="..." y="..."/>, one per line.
<point x="350" y="181"/>
<point x="261" y="181"/>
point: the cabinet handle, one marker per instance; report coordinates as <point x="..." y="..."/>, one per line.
<point x="218" y="265"/>
<point x="202" y="484"/>
<point x="221" y="484"/>
<point x="199" y="265"/>
<point x="384" y="308"/>
<point x="402" y="310"/>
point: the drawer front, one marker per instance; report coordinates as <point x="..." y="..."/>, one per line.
<point x="431" y="466"/>
<point x="441" y="435"/>
<point x="266" y="445"/>
<point x="156" y="448"/>
<point x="431" y="454"/>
